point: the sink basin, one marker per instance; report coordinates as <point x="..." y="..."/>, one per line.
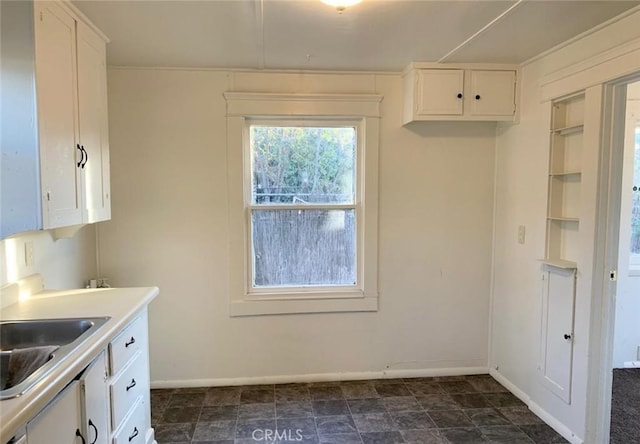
<point x="23" y="334"/>
<point x="67" y="334"/>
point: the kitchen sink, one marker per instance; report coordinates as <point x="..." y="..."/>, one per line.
<point x="65" y="334"/>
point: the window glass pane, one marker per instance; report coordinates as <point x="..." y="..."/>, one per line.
<point x="635" y="209"/>
<point x="304" y="247"/>
<point x="298" y="165"/>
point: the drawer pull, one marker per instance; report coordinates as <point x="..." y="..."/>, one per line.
<point x="134" y="434"/>
<point x="130" y="342"/>
<point x="91" y="424"/>
<point x="132" y="385"/>
<point x="79" y="435"/>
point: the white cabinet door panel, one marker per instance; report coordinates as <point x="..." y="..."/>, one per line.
<point x="438" y="91"/>
<point x="557" y="335"/>
<point x="95" y="417"/>
<point x="57" y="124"/>
<point x="492" y="93"/>
<point x="92" y="99"/>
<point x="59" y="422"/>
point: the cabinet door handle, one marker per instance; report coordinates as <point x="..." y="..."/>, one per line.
<point x="477" y="96"/>
<point x="82" y="151"/>
<point x="459" y="96"/>
<point x="134" y="434"/>
<point x="130" y="342"/>
<point x="79" y="435"/>
<point x="91" y="424"/>
<point x="567" y="336"/>
<point x="86" y="156"/>
<point x="132" y="385"/>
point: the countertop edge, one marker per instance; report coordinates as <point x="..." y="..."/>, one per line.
<point x="31" y="403"/>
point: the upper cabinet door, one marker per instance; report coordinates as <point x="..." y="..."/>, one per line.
<point x="92" y="100"/>
<point x="55" y="39"/>
<point x="492" y="93"/>
<point x="440" y="91"/>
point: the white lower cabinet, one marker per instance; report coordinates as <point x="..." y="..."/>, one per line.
<point x="129" y="386"/>
<point x="134" y="429"/>
<point x="126" y="388"/>
<point x="60" y="421"/>
<point x="556" y="347"/>
<point x="95" y="407"/>
<point x="108" y="402"/>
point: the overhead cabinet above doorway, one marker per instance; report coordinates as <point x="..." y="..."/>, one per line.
<point x="459" y="92"/>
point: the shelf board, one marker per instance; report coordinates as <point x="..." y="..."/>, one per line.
<point x="566" y="173"/>
<point x="564" y="219"/>
<point x="568" y="129"/>
<point x="560" y="263"/>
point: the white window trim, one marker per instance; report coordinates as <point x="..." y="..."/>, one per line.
<point x="243" y="108"/>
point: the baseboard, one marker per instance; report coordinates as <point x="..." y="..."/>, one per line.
<point x="319" y="377"/>
<point x="555" y="424"/>
<point x="150" y="437"/>
<point x="632" y="364"/>
<point x="510" y="386"/>
<point x="535" y="408"/>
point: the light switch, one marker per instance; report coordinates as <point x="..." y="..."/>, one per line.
<point x="521" y="234"/>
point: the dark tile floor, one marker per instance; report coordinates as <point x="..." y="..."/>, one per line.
<point x="466" y="409"/>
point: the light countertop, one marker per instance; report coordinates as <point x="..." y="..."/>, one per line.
<point x="121" y="304"/>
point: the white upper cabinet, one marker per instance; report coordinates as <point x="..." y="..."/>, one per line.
<point x="459" y="92"/>
<point x="55" y="147"/>
<point x="56" y="89"/>
<point x="71" y="87"/>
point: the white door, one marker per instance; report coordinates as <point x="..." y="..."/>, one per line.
<point x="55" y="38"/>
<point x="95" y="406"/>
<point x="492" y="93"/>
<point x="557" y="336"/>
<point x="92" y="100"/>
<point x="440" y="92"/>
<point x="59" y="422"/>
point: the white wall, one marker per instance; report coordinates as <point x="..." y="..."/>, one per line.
<point x="63" y="263"/>
<point x="627" y="328"/>
<point x="169" y="228"/>
<point x="521" y="192"/>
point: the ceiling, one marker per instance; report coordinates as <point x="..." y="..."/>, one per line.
<point x="377" y="35"/>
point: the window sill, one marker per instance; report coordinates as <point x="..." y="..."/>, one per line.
<point x="317" y="303"/>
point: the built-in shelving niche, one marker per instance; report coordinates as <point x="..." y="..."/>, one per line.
<point x="565" y="180"/>
<point x="560" y="264"/>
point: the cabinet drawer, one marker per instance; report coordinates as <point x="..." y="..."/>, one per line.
<point x="134" y="429"/>
<point x="126" y="345"/>
<point x="126" y="388"/>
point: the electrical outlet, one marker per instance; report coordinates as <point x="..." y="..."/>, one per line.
<point x="29" y="254"/>
<point x="522" y="231"/>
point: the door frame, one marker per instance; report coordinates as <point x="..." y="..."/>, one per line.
<point x="603" y="298"/>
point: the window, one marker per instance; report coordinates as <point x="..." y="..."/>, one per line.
<point x="304" y="214"/>
<point x="302" y="202"/>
